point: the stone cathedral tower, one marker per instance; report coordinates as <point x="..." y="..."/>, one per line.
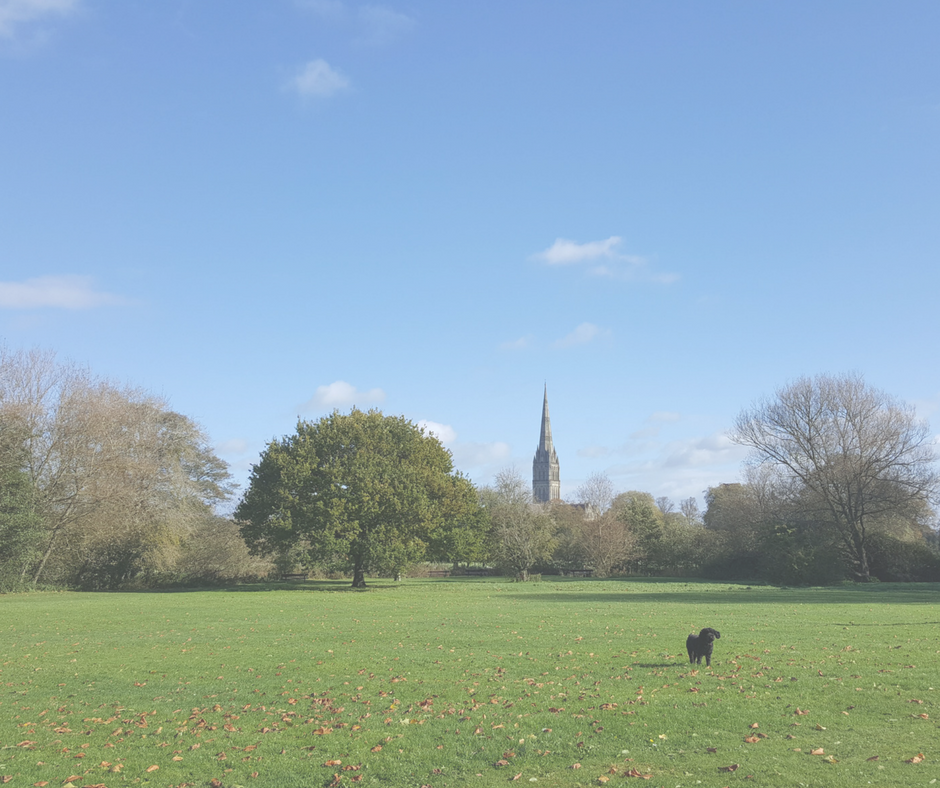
<point x="546" y="485"/>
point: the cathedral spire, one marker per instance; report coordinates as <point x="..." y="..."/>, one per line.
<point x="546" y="485"/>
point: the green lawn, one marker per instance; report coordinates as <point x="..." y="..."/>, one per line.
<point x="472" y="682"/>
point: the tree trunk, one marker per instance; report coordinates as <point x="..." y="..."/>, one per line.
<point x="864" y="573"/>
<point x="359" y="577"/>
<point x="45" y="557"/>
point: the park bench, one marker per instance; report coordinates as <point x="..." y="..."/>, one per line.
<point x="477" y="571"/>
<point x="438" y="573"/>
<point x="294" y="576"/>
<point x="581" y="572"/>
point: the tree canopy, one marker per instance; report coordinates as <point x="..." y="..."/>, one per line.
<point x="849" y="456"/>
<point x="361" y="488"/>
<point x="100" y="484"/>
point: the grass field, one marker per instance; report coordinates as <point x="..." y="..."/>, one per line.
<point x="477" y="682"/>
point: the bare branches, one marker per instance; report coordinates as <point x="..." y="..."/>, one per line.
<point x="110" y="465"/>
<point x="855" y="453"/>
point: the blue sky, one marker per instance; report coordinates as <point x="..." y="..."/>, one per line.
<point x="662" y="210"/>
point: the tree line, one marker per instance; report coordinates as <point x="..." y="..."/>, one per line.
<point x="104" y="486"/>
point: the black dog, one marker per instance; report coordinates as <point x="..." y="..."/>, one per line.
<point x="700" y="645"/>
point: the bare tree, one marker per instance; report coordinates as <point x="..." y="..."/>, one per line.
<point x="524" y="530"/>
<point x="607" y="543"/>
<point x="690" y="511"/>
<point x="850" y="454"/>
<point x="596" y="494"/>
<point x="117" y="476"/>
<point x="665" y="505"/>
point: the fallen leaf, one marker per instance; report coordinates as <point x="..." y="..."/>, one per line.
<point x="152" y="768"/>
<point x="916" y="759"/>
<point x="755" y="725"/>
<point x="575" y="766"/>
<point x="819" y="751"/>
<point x="751" y="739"/>
<point x="377" y="748"/>
<point x="333" y="763"/>
<point x="733" y="767"/>
<point x="873" y="758"/>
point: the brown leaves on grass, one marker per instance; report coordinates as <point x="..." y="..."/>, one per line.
<point x="916" y="759"/>
<point x="800" y="712"/>
<point x="732" y="768"/>
<point x="636" y="773"/>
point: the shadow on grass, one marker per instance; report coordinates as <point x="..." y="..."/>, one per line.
<point x="701" y="592"/>
<point x="334" y="586"/>
<point x="686" y="591"/>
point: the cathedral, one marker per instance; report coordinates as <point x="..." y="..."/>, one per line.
<point x="546" y="484"/>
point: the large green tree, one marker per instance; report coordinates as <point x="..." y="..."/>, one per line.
<point x="361" y="487"/>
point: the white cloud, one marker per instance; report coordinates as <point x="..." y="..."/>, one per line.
<point x="382" y="25"/>
<point x="583" y="334"/>
<point x="317" y="79"/>
<point x="443" y="432"/>
<point x="712" y="450"/>
<point x="565" y="252"/>
<point x="480" y="455"/>
<point x="233" y="446"/>
<point x="594" y="452"/>
<point x="614" y="265"/>
<point x="342" y="395"/>
<point x="61" y="292"/>
<point x="18" y="12"/>
<point x="517" y="344"/>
